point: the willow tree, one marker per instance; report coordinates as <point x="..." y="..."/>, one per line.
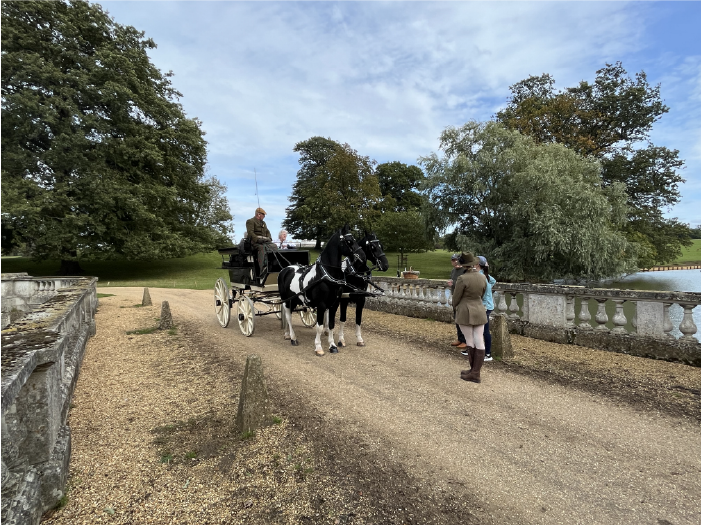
<point x="538" y="211"/>
<point x="98" y="157"/>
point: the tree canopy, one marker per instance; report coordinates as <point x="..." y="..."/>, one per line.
<point x="335" y="185"/>
<point x="403" y="232"/>
<point x="541" y="211"/>
<point x="399" y="184"/>
<point x="611" y="119"/>
<point x="98" y="157"/>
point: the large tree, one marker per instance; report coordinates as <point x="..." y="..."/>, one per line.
<point x="334" y="186"/>
<point x="98" y="158"/>
<point x="611" y="119"/>
<point x="400" y="182"/>
<point x="539" y="211"/>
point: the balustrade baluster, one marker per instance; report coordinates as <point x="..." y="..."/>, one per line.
<point x="687" y="326"/>
<point x="601" y="316"/>
<point x="502" y="302"/>
<point x="513" y="306"/>
<point x="525" y="309"/>
<point x="569" y="311"/>
<point x="667" y="324"/>
<point x="584" y="314"/>
<point x="619" y="318"/>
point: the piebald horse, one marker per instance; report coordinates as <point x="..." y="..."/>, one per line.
<point x="357" y="281"/>
<point x="319" y="285"/>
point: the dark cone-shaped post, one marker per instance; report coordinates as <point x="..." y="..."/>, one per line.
<point x="166" y="317"/>
<point x="253" y="402"/>
<point x="147" y="298"/>
<point x="501" y="339"/>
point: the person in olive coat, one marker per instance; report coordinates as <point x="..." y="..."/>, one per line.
<point x="471" y="314"/>
<point x="261" y="240"/>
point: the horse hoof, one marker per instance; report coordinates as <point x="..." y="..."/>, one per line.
<point x="341" y="344"/>
<point x="360" y="344"/>
<point x="333" y="349"/>
<point x="319" y="353"/>
<point x="294" y="342"/>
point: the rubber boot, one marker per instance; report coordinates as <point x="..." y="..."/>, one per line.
<point x="470" y="360"/>
<point x="474" y="374"/>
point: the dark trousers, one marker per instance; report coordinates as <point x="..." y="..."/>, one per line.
<point x="263" y="249"/>
<point x="487" y="336"/>
<point x="461" y="336"/>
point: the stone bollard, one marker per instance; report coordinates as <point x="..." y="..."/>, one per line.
<point x="147" y="298"/>
<point x="501" y="339"/>
<point x="166" y="317"/>
<point x="253" y="409"/>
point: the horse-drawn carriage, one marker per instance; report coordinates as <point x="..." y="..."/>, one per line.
<point x="251" y="286"/>
<point x="290" y="284"/>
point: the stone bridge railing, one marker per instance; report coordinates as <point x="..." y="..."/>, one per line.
<point x="643" y="323"/>
<point x="46" y="324"/>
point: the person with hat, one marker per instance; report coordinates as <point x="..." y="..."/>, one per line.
<point x="471" y="314"/>
<point x="488" y="300"/>
<point x="260" y="237"/>
<point x="457" y="271"/>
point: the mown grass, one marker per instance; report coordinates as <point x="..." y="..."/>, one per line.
<point x="202" y="270"/>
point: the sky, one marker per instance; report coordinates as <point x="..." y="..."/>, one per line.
<point x="388" y="77"/>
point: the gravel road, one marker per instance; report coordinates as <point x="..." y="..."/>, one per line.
<point x="393" y="422"/>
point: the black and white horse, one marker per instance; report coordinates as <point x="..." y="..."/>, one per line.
<point x="358" y="281"/>
<point x="319" y="285"/>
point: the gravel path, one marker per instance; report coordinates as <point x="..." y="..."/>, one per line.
<point x="387" y="433"/>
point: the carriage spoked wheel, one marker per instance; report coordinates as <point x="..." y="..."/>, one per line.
<point x="308" y="316"/>
<point x="222" y="307"/>
<point x="277" y="309"/>
<point x="246" y="316"/>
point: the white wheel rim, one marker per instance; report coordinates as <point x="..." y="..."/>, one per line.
<point x="221" y="302"/>
<point x="308" y="317"/>
<point x="248" y="323"/>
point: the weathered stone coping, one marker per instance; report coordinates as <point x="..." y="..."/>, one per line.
<point x="42" y="349"/>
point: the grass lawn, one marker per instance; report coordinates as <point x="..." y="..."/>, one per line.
<point x="202" y="270"/>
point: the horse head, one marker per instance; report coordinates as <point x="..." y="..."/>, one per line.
<point x="341" y="245"/>
<point x="374" y="251"/>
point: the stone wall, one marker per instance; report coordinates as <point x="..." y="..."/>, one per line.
<point x="46" y="325"/>
<point x="631" y="322"/>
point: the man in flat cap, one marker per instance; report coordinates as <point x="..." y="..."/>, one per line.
<point x="260" y="238"/>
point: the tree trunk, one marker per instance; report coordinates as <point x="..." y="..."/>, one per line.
<point x="318" y="244"/>
<point x="70" y="268"/>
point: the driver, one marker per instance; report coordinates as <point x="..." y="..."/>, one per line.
<point x="260" y="238"/>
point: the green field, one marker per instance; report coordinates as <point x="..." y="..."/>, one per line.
<point x="202" y="270"/>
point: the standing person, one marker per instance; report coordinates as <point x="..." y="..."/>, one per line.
<point x="488" y="301"/>
<point x="260" y="238"/>
<point x="471" y="314"/>
<point x="457" y="271"/>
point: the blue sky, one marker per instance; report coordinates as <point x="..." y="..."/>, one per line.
<point x="387" y="77"/>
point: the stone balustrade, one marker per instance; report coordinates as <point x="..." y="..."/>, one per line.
<point x="644" y="323"/>
<point x="46" y="325"/>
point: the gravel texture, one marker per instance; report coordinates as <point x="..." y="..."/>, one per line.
<point x="386" y="433"/>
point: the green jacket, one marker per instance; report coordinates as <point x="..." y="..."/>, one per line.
<point x="467" y="299"/>
<point x="256" y="229"/>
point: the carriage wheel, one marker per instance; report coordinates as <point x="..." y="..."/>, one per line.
<point x="308" y="316"/>
<point x="221" y="302"/>
<point x="277" y="309"/>
<point x="247" y="316"/>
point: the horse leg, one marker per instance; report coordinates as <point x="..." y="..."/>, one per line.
<point x="359" y="304"/>
<point x="342" y="323"/>
<point x="326" y="322"/>
<point x="332" y="322"/>
<point x="319" y="329"/>
<point x="289" y="331"/>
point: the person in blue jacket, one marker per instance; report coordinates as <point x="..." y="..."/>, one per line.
<point x="488" y="301"/>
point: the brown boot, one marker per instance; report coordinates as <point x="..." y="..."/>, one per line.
<point x="470" y="358"/>
<point x="477" y="361"/>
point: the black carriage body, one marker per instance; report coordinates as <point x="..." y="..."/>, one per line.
<point x="243" y="266"/>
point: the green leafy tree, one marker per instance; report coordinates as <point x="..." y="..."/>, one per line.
<point x="403" y="232"/>
<point x="539" y="211"/>
<point x="611" y="119"/>
<point x="334" y="187"/>
<point x="98" y="158"/>
<point x="400" y="182"/>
